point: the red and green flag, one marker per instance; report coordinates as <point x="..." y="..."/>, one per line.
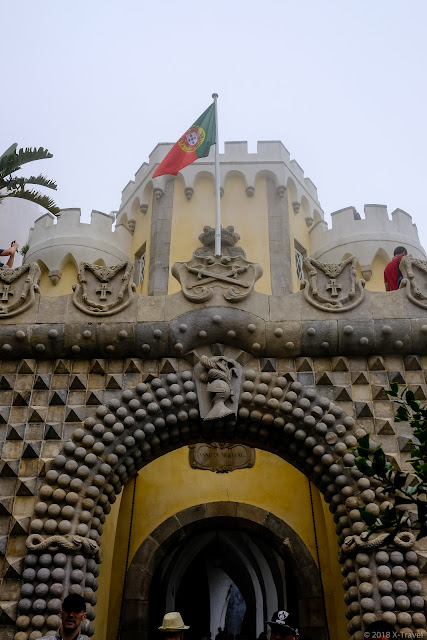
<point x="194" y="143"/>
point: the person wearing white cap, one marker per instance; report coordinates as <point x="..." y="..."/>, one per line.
<point x="173" y="626"/>
<point x="282" y="627"/>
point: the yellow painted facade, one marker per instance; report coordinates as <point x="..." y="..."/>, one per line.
<point x="249" y="216"/>
<point x="168" y="485"/>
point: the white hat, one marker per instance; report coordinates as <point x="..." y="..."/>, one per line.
<point x="173" y="622"/>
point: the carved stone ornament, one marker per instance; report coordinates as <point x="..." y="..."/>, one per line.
<point x="201" y="275"/>
<point x="414" y="272"/>
<point x="221" y="457"/>
<point x="218" y="382"/>
<point x="229" y="238"/>
<point x="103" y="291"/>
<point x="332" y="287"/>
<point x="87" y="546"/>
<point x="17" y="289"/>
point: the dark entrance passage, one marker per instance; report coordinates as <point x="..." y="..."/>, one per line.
<point x="223" y="565"/>
<point x="224" y="579"/>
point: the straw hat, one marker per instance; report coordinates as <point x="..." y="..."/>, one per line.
<point x="173" y="622"/>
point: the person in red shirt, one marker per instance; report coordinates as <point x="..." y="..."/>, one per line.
<point x="392" y="275"/>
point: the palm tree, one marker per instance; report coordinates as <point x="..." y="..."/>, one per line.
<point x="14" y="187"/>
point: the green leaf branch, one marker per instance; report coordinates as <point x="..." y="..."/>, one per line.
<point x="406" y="491"/>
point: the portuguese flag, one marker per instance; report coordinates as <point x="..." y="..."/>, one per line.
<point x="194" y="143"/>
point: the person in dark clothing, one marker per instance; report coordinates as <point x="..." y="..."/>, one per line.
<point x="392" y="275"/>
<point x="282" y="627"/>
<point x="72" y="615"/>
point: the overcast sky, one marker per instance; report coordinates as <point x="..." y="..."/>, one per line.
<point x="342" y="83"/>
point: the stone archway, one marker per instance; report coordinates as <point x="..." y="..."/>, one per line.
<point x="202" y="518"/>
<point x="276" y="414"/>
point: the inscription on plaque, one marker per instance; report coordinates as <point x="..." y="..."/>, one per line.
<point x="221" y="457"/>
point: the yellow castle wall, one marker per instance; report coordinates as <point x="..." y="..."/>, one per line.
<point x="249" y="216"/>
<point x="64" y="286"/>
<point x="168" y="485"/>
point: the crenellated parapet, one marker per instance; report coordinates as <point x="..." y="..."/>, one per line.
<point x="271" y="158"/>
<point x="53" y="241"/>
<point x="350" y="234"/>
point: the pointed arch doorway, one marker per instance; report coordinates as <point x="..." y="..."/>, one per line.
<point x="226" y="565"/>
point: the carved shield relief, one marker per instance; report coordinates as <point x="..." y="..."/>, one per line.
<point x="103" y="291"/>
<point x="333" y="287"/>
<point x="202" y="274"/>
<point x="415" y="279"/>
<point x="17" y="288"/>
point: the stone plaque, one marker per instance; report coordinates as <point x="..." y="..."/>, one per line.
<point x="221" y="457"/>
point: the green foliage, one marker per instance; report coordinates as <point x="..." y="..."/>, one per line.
<point x="404" y="490"/>
<point x="24" y="249"/>
<point x="12" y="186"/>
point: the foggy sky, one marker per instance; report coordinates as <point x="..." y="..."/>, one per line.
<point x="341" y="83"/>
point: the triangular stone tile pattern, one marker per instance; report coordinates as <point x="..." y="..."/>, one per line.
<point x="376" y="363"/>
<point x="78" y="383"/>
<point x="98" y="366"/>
<point x="304" y="365"/>
<point x="94" y="398"/>
<point x="27" y="487"/>
<point x="323" y="378"/>
<point x="133" y="367"/>
<point x="396" y="376"/>
<point x="27" y="366"/>
<point x="58" y="398"/>
<point x="379" y="393"/>
<point x="52" y="432"/>
<point x="363" y="410"/>
<point x="343" y="394"/>
<point x="169" y="366"/>
<point x="268" y="364"/>
<point x="76" y="414"/>
<point x="42" y="382"/>
<point x="15" y="432"/>
<point x="6" y="383"/>
<point x="359" y="377"/>
<point x="412" y="363"/>
<point x="385" y="428"/>
<point x="113" y="383"/>
<point x="62" y="366"/>
<point x="339" y="364"/>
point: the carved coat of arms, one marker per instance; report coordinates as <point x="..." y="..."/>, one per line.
<point x="202" y="274"/>
<point x="17" y="288"/>
<point x="103" y="291"/>
<point x="332" y="287"/>
<point x="414" y="272"/>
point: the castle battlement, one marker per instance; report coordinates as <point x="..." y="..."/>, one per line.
<point x="53" y="240"/>
<point x="271" y="156"/>
<point x="366" y="236"/>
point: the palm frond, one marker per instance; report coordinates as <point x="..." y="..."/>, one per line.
<point x="36" y="197"/>
<point x="10" y="151"/>
<point x="41" y="180"/>
<point x="13" y="161"/>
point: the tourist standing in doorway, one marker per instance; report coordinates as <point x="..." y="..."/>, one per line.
<point x="173" y="626"/>
<point x="282" y="627"/>
<point x="72" y="615"/>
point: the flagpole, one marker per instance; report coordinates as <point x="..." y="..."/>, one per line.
<point x="217" y="184"/>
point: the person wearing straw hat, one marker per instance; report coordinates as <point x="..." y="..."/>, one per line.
<point x="173" y="626"/>
<point x="282" y="627"/>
